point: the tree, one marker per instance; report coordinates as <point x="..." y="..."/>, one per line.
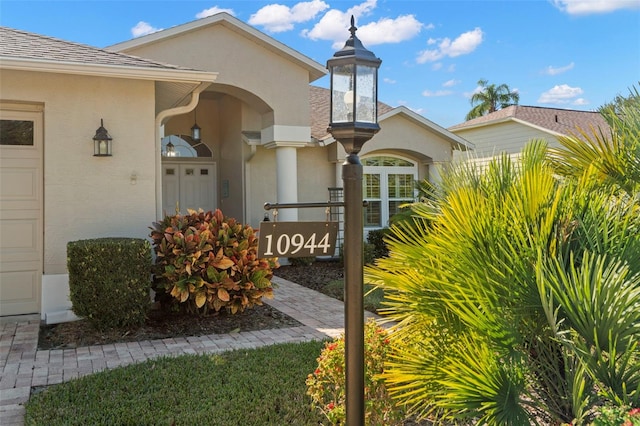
<point x="621" y="103"/>
<point x="491" y="98"/>
<point x="519" y="304"/>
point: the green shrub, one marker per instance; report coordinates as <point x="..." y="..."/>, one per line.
<point x="376" y="239"/>
<point x="109" y="280"/>
<point x="207" y="262"/>
<point x="302" y="261"/>
<point x="368" y="256"/>
<point x="326" y="385"/>
<point x="616" y="416"/>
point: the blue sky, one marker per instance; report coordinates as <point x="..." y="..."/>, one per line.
<point x="575" y="54"/>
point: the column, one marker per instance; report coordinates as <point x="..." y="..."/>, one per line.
<point x="287" y="181"/>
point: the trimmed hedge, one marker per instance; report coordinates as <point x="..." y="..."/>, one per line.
<point x="110" y="280"/>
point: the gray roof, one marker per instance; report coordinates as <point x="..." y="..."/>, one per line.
<point x="18" y="44"/>
<point x="562" y="121"/>
<point x="319" y="107"/>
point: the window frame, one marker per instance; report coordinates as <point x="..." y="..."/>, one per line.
<point x="384" y="171"/>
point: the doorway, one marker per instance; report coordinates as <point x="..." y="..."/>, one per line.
<point x="188" y="185"/>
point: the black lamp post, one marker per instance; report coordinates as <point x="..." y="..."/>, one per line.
<point x="353" y="121"/>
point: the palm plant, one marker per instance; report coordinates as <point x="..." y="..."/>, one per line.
<point x="520" y="303"/>
<point x="491" y="98"/>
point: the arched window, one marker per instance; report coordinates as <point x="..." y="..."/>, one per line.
<point x="388" y="183"/>
<point x="184" y="146"/>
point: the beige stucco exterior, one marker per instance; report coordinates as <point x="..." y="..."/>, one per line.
<point x="254" y="116"/>
<point x="87" y="196"/>
<point x="263" y="79"/>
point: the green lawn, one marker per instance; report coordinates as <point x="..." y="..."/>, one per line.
<point x="372" y="296"/>
<point x="263" y="386"/>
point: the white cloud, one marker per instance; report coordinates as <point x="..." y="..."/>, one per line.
<point x="562" y="94"/>
<point x="581" y="102"/>
<point x="558" y="70"/>
<point x="334" y="26"/>
<point x="214" y="10"/>
<point x="586" y="7"/>
<point x="450" y="83"/>
<point x="277" y="18"/>
<point x="430" y="94"/>
<point x="387" y="30"/>
<point x="436" y="66"/>
<point x="464" y="44"/>
<point x="451" y="68"/>
<point x="143" y="28"/>
<point x="389" y="81"/>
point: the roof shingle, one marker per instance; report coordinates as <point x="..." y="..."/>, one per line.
<point x="562" y="121"/>
<point x="319" y="98"/>
<point x="18" y="44"/>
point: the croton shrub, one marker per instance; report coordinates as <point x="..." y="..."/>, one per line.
<point x="327" y="387"/>
<point x="206" y="262"/>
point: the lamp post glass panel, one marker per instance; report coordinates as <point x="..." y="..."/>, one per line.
<point x="353" y="121"/>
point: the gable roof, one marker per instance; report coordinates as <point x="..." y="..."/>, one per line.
<point x="319" y="101"/>
<point x="315" y="69"/>
<point x="552" y="120"/>
<point x="320" y="104"/>
<point x="34" y="52"/>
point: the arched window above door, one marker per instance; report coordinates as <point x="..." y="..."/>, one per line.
<point x="185" y="147"/>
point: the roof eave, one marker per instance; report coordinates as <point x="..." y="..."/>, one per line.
<point x="315" y="69"/>
<point x="502" y="121"/>
<point x="115" y="71"/>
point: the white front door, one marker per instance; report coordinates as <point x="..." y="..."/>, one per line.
<point x="21" y="199"/>
<point x="188" y="185"/>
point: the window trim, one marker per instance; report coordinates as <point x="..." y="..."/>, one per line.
<point x="384" y="172"/>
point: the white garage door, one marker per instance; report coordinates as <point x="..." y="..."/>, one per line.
<point x="21" y="195"/>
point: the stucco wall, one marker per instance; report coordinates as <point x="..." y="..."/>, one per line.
<point x="261" y="178"/>
<point x="241" y="63"/>
<point x="401" y="133"/>
<point x="315" y="176"/>
<point x="87" y="196"/>
<point x="231" y="165"/>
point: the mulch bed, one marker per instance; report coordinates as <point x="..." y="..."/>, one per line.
<point x="161" y="325"/>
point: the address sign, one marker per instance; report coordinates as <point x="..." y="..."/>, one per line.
<point x="297" y="239"/>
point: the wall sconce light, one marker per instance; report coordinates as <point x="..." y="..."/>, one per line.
<point x="102" y="142"/>
<point x="171" y="150"/>
<point x="195" y="129"/>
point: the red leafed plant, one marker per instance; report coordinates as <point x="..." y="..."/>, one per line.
<point x="206" y="262"/>
<point x="327" y="388"/>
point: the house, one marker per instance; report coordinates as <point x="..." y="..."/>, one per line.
<point x="262" y="139"/>
<point x="509" y="129"/>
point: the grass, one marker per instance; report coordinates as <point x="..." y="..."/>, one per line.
<point x="264" y="386"/>
<point x="372" y="296"/>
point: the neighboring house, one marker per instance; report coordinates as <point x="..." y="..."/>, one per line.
<point x="509" y="129"/>
<point x="252" y="98"/>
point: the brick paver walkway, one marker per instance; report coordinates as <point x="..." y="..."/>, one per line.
<point x="23" y="366"/>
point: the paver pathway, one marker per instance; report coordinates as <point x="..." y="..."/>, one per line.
<point x="23" y="366"/>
